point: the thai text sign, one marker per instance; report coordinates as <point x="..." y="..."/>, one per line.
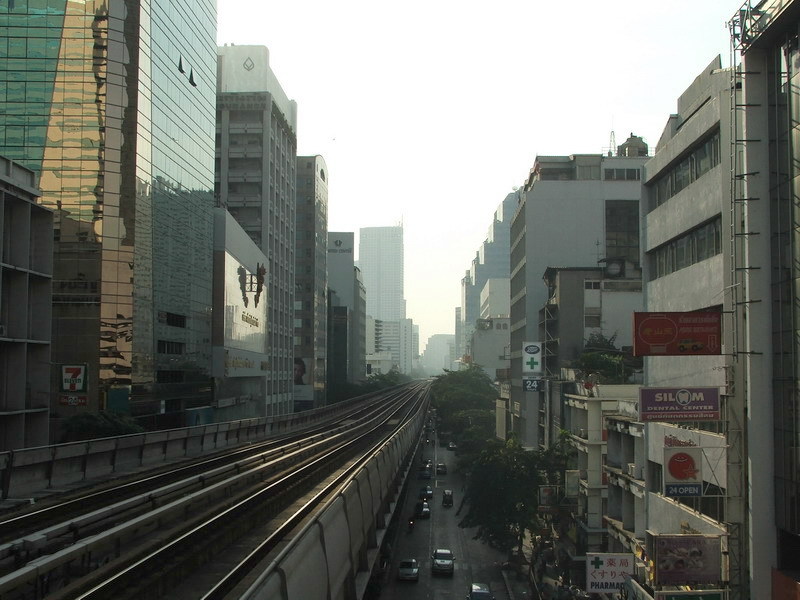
<point x="607" y="572"/>
<point x="683" y="475"/>
<point x="677" y="333"/>
<point x="679" y="404"/>
<point x="687" y="559"/>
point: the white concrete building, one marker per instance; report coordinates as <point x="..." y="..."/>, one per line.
<point x="495" y="298"/>
<point x="490" y="346"/>
<point x="256" y="180"/>
<point x="689" y="266"/>
<point x="575" y="210"/>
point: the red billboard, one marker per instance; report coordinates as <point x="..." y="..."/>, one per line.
<point x="677" y="333"/>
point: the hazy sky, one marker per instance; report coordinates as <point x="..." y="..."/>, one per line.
<point x="430" y="112"/>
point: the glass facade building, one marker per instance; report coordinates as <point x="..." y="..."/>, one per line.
<point x="112" y="105"/>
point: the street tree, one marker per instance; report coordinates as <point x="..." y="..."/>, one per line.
<point x="502" y="494"/>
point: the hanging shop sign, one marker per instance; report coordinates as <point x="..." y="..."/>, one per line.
<point x="607" y="572"/>
<point x="677" y="333"/>
<point x="687" y="559"/>
<point x="532" y="358"/>
<point x="531" y="384"/>
<point x="683" y="474"/>
<point x="679" y="404"/>
<point x="73" y="378"/>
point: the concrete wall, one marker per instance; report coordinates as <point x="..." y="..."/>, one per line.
<point x="31" y="471"/>
<point x="356" y="519"/>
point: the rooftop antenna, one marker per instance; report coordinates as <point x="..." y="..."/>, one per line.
<point x="612" y="143"/>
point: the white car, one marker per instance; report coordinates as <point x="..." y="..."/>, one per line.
<point x="443" y="561"/>
<point x="408" y="570"/>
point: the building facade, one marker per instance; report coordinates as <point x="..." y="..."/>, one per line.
<point x="490" y="346"/>
<point x="381" y="260"/>
<point x="764" y="37"/>
<point x="344" y="279"/>
<point x="255" y="179"/>
<point x="26" y="270"/>
<point x="311" y="279"/>
<point x="491" y="261"/>
<point x="121" y="140"/>
<point x="575" y="211"/>
<point x="239" y="324"/>
<point x="688" y="244"/>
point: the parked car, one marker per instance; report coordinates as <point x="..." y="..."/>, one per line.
<point x="426" y="493"/>
<point x="422" y="510"/>
<point x="408" y="570"/>
<point x="441" y="469"/>
<point x="447" y="498"/>
<point x="443" y="561"/>
<point x="479" y="591"/>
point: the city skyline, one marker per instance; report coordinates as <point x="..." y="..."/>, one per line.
<point x="434" y="134"/>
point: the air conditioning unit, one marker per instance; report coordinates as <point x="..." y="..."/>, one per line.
<point x="632" y="470"/>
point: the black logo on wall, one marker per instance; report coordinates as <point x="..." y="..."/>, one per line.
<point x="250" y="283"/>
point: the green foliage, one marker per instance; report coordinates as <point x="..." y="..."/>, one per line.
<point x="502" y="494"/>
<point x="87" y="426"/>
<point x="458" y="391"/>
<point x="601" y="357"/>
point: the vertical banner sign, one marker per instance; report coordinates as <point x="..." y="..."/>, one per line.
<point x="532" y="358"/>
<point x="683" y="472"/>
<point x="73" y="378"/>
<point x="606" y="573"/>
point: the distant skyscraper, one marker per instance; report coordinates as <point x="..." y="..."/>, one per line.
<point x="256" y="175"/>
<point x="311" y="280"/>
<point x="121" y="137"/>
<point x="380" y="257"/>
<point x="491" y="261"/>
<point x="344" y="280"/>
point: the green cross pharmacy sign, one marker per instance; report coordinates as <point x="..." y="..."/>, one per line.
<point x="532" y="358"/>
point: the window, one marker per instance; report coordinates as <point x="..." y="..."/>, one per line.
<point x="591" y="321"/>
<point x="692" y="247"/>
<point x="167" y="347"/>
<point x="701" y="159"/>
<point x="172" y="319"/>
<point x="169" y="376"/>
<point x="622" y="174"/>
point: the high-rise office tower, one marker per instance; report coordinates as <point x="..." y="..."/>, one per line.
<point x="112" y="105"/>
<point x="491" y="261"/>
<point x="344" y="280"/>
<point x="380" y="257"/>
<point x="256" y="179"/>
<point x="311" y="281"/>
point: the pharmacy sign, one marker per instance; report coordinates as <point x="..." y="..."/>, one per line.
<point x="532" y="358"/>
<point x="606" y="573"/>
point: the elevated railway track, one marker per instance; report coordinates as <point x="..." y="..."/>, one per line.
<point x="208" y="528"/>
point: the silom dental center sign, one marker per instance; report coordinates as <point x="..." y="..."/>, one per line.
<point x="679" y="404"/>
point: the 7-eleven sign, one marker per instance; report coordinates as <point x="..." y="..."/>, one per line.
<point x="532" y="358"/>
<point x="73" y="378"/>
